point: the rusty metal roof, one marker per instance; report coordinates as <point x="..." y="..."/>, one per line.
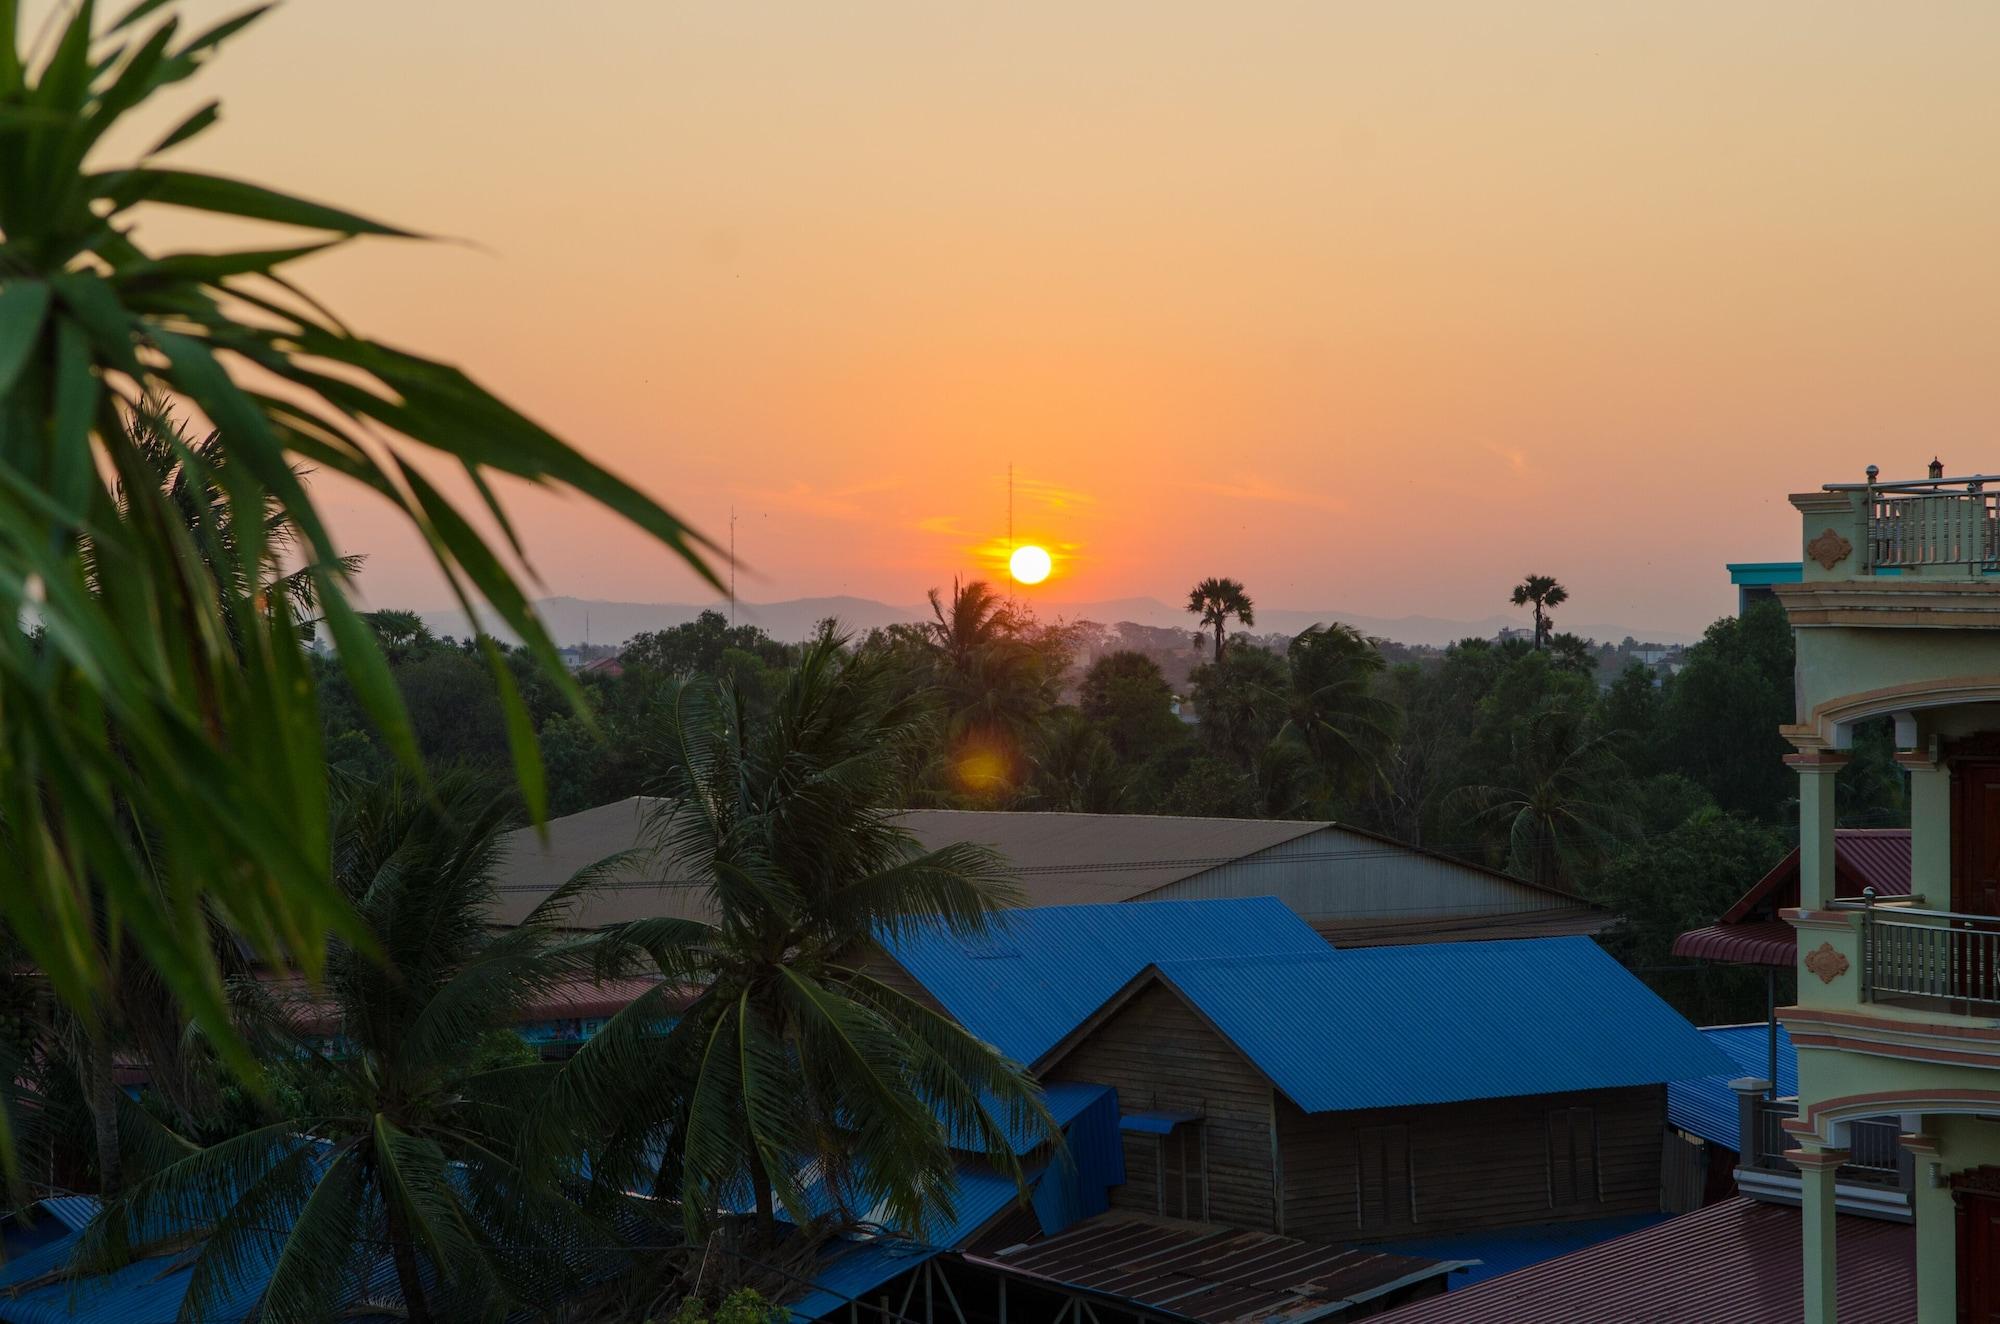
<point x="1862" y="858"/>
<point x="1214" y="1275"/>
<point x="1738" y="1259"/>
<point x="1754" y="942"/>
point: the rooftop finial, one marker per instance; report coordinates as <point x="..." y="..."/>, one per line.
<point x="1937" y="467"/>
<point x="1872" y="472"/>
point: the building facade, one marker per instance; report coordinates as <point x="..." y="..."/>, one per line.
<point x="1897" y="616"/>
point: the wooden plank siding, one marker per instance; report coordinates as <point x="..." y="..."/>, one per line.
<point x="1365" y="1175"/>
<point x="1159" y="1054"/>
<point x="882" y="967"/>
<point x="1473" y="1165"/>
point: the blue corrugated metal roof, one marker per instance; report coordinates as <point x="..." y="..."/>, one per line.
<point x="1154" y="1123"/>
<point x="72" y="1211"/>
<point x="1043" y="970"/>
<point x="1383" y="1027"/>
<point x="1065" y="1101"/>
<point x="1065" y="1193"/>
<point x="860" y="1267"/>
<point x="1706" y="1107"/>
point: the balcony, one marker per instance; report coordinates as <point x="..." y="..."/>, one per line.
<point x="1936" y="960"/>
<point x="1922" y="526"/>
<point x="1876" y="1181"/>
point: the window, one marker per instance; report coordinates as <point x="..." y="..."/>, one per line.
<point x="1382" y="1178"/>
<point x="1183" y="1171"/>
<point x="1572" y="1157"/>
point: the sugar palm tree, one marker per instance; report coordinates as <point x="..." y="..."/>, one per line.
<point x="793" y="1062"/>
<point x="1336" y="709"/>
<point x="1545" y="594"/>
<point x="1563" y="807"/>
<point x="149" y="693"/>
<point x="1215" y="601"/>
<point x="406" y="1129"/>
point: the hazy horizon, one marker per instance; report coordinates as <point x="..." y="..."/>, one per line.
<point x="1376" y="307"/>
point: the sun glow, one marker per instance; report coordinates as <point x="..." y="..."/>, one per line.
<point x="1030" y="564"/>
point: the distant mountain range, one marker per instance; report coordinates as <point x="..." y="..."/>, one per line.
<point x="580" y="620"/>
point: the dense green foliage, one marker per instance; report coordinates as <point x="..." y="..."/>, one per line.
<point x="405" y="1092"/>
<point x="1535" y="762"/>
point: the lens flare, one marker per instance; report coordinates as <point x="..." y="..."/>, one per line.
<point x="1030" y="564"/>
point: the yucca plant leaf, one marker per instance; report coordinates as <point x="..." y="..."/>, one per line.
<point x="188" y="128"/>
<point x="223" y="196"/>
<point x="22" y="306"/>
<point x="153" y="685"/>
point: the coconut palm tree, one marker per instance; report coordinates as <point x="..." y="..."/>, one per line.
<point x="993" y="682"/>
<point x="793" y="1064"/>
<point x="1336" y="710"/>
<point x="1076" y="769"/>
<point x="1564" y="807"/>
<point x="1545" y="594"/>
<point x="404" y="1131"/>
<point x="1215" y="601"/>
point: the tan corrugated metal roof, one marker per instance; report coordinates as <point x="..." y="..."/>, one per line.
<point x="1061" y="858"/>
<point x="1073" y="858"/>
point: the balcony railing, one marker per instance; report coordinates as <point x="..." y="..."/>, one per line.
<point x="1929" y="957"/>
<point x="1873" y="1141"/>
<point x="1929" y="522"/>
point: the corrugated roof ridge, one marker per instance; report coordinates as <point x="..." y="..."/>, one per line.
<point x="1304" y="825"/>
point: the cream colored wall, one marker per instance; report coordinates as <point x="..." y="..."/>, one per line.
<point x="1836" y="661"/>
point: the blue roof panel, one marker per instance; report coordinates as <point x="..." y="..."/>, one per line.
<point x="1706" y="1106"/>
<point x="1066" y="1102"/>
<point x="1384" y="1027"/>
<point x="1042" y="971"/>
<point x="861" y="1267"/>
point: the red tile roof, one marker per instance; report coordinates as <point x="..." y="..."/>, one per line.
<point x="579" y="999"/>
<point x="1736" y="1260"/>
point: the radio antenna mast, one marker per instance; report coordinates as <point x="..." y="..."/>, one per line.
<point x="732" y="567"/>
<point x="1010" y="530"/>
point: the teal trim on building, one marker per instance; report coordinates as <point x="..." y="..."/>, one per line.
<point x="1753" y="579"/>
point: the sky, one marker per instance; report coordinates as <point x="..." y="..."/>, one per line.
<point x="1373" y="307"/>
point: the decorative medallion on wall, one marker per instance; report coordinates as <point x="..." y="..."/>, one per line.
<point x="1825" y="962"/>
<point x="1829" y="549"/>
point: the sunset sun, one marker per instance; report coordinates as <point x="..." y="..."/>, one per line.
<point x="1029" y="564"/>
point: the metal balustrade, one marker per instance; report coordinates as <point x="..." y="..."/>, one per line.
<point x="1873" y="1143"/>
<point x="1928" y="522"/>
<point x="1936" y="957"/>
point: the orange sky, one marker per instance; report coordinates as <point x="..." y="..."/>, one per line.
<point x="1371" y="306"/>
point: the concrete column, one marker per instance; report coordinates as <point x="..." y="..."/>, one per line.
<point x="1817" y="769"/>
<point x="1930" y="828"/>
<point x="1750" y="1091"/>
<point x="1817" y="1221"/>
<point x="1937" y="1233"/>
